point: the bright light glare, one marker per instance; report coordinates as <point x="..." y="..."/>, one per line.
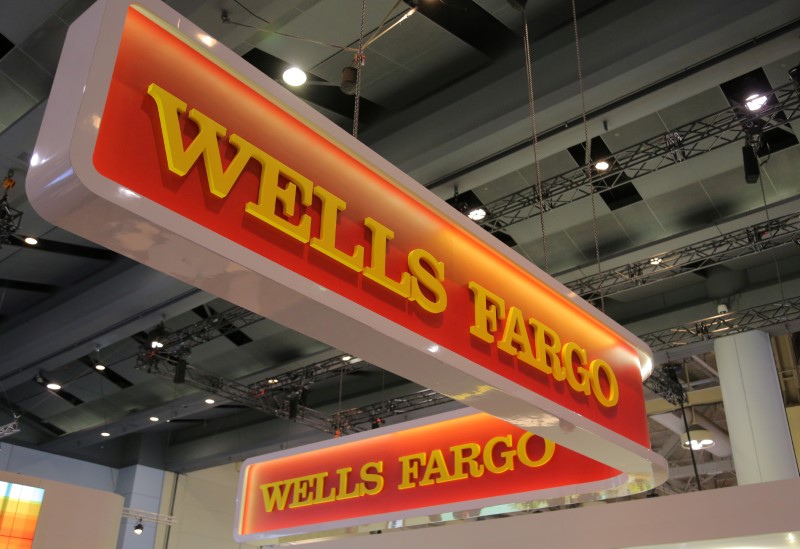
<point x="477" y="214"/>
<point x="155" y="344"/>
<point x="791" y="538"/>
<point x="153" y="419"/>
<point x="347" y="358"/>
<point x="31" y="241"/>
<point x="207" y="40"/>
<point x="99" y="367"/>
<point x="53" y="386"/>
<point x="602" y="166"/>
<point x="294" y="76"/>
<point x="272" y="381"/>
<point x="105" y="434"/>
<point x="655" y="261"/>
<point x="755" y="102"/>
<point x="210" y="401"/>
<point x="433" y="348"/>
<point x="35" y="160"/>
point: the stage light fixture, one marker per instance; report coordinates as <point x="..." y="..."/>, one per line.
<point x="477" y="214"/>
<point x="698" y="438"/>
<point x="602" y="166"/>
<point x="53" y="386"/>
<point x="30" y="241"/>
<point x="210" y="401"/>
<point x="755" y="102"/>
<point x="99" y="367"/>
<point x="105" y="434"/>
<point x="154" y="419"/>
<point x="138" y="529"/>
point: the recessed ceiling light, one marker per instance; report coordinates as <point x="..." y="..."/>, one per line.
<point x="294" y="76"/>
<point x="53" y="386"/>
<point x="105" y="434"/>
<point x="153" y="419"/>
<point x="210" y="401"/>
<point x="272" y="381"/>
<point x="655" y="261"/>
<point x="99" y="367"/>
<point x="756" y="101"/>
<point x="347" y="357"/>
<point x="29" y="240"/>
<point x="477" y="214"/>
<point x="602" y="166"/>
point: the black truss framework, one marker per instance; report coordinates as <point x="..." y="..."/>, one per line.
<point x="749" y="240"/>
<point x="685" y="142"/>
<point x="281" y="395"/>
<point x="764" y="316"/>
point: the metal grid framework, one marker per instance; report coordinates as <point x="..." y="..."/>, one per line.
<point x="282" y="395"/>
<point x="688" y="141"/>
<point x="764" y="316"/>
<point x="740" y="243"/>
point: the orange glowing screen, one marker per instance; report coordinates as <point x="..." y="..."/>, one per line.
<point x="19" y="513"/>
<point x="463" y="461"/>
<point x="130" y="150"/>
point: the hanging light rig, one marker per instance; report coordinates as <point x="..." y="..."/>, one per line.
<point x="10" y="217"/>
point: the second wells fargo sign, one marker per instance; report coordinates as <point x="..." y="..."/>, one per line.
<point x="182" y="156"/>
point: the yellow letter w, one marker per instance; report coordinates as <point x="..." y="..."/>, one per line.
<point x="206" y="143"/>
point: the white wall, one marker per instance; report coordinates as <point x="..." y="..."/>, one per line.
<point x="17" y="459"/>
<point x="204" y="509"/>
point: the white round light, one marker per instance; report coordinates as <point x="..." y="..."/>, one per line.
<point x="99" y="367"/>
<point x="53" y="386"/>
<point x="701" y="438"/>
<point x="31" y="241"/>
<point x="153" y="419"/>
<point x="655" y="261"/>
<point x="105" y="434"/>
<point x="477" y="214"/>
<point x="755" y="102"/>
<point x="294" y="76"/>
<point x="602" y="166"/>
<point x="210" y="401"/>
<point x="155" y="344"/>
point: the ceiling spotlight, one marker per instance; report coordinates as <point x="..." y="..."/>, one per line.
<point x="602" y="166"/>
<point x="346" y="358"/>
<point x="209" y="401"/>
<point x="655" y="261"/>
<point x="53" y="386"/>
<point x="294" y="76"/>
<point x="30" y="241"/>
<point x="153" y="419"/>
<point x="477" y="214"/>
<point x="138" y="529"/>
<point x="105" y="434"/>
<point x="99" y="367"/>
<point x="698" y="438"/>
<point x="272" y="381"/>
<point x="755" y="102"/>
<point x="156" y="337"/>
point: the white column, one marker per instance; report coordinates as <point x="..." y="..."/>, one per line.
<point x="751" y="393"/>
<point x="141" y="488"/>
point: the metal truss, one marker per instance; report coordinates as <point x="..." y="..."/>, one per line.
<point x="283" y="395"/>
<point x="9" y="429"/>
<point x="764" y="316"/>
<point x="664" y="383"/>
<point x="688" y="141"/>
<point x="733" y="245"/>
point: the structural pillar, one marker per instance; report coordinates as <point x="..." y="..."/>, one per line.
<point x="757" y="424"/>
<point x="141" y="488"/>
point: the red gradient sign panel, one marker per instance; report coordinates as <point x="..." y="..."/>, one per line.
<point x="183" y="132"/>
<point x="462" y="463"/>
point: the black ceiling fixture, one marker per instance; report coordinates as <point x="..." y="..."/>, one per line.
<point x="614" y="186"/>
<point x="320" y="92"/>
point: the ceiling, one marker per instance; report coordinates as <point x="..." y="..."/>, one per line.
<point x="444" y="97"/>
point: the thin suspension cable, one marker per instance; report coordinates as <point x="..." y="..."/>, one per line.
<point x="588" y="149"/>
<point x="532" y="108"/>
<point x="359" y="67"/>
<point x="769" y="228"/>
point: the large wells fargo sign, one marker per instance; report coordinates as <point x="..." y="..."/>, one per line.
<point x="182" y="156"/>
